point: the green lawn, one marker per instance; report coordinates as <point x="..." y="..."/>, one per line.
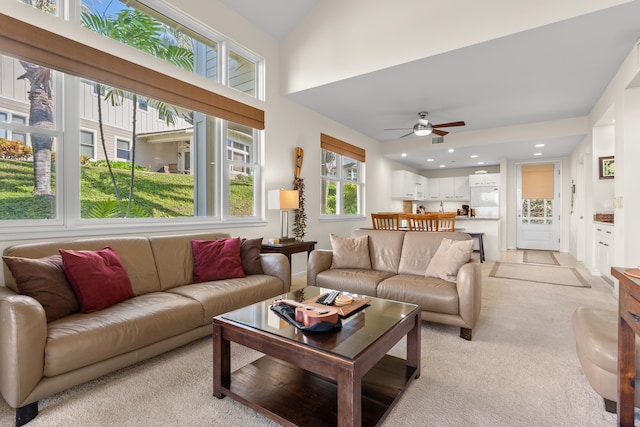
<point x="155" y="194"/>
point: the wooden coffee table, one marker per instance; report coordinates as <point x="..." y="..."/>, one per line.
<point x="343" y="378"/>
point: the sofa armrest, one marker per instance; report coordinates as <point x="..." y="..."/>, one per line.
<point x="277" y="265"/>
<point x="469" y="285"/>
<point x="319" y="261"/>
<point x="23" y="334"/>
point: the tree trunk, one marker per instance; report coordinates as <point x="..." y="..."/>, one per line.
<point x="133" y="153"/>
<point x="104" y="145"/>
<point x="40" y="115"/>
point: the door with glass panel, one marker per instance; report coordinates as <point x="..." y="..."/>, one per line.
<point x="538" y="209"/>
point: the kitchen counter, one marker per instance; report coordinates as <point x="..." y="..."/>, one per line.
<point x="490" y="227"/>
<point x="473" y="218"/>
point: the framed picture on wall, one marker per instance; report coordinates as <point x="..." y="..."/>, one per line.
<point x="607" y="167"/>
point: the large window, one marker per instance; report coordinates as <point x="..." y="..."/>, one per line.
<point x="132" y="165"/>
<point x="342" y="183"/>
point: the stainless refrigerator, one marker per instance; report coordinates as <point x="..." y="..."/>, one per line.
<point x="485" y="201"/>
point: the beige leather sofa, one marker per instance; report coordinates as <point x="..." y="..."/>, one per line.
<point x="398" y="263"/>
<point x="596" y="333"/>
<point x="39" y="359"/>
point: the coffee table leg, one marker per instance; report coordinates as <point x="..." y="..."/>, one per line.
<point x="349" y="399"/>
<point x="221" y="362"/>
<point x="413" y="345"/>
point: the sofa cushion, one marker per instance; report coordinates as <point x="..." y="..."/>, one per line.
<point x="350" y="252"/>
<point x="363" y="282"/>
<point x="450" y="256"/>
<point x="221" y="296"/>
<point x="417" y="250"/>
<point x="430" y="293"/>
<point x="174" y="257"/>
<point x="385" y="248"/>
<point x="134" y="253"/>
<point x="97" y="277"/>
<point x="83" y="339"/>
<point x="43" y="279"/>
<point x="250" y="255"/>
<point x="216" y="259"/>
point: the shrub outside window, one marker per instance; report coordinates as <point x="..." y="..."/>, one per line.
<point x="341" y="185"/>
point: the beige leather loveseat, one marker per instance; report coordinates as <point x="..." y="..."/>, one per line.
<point x="596" y="333"/>
<point x="398" y="263"/>
<point x="40" y="358"/>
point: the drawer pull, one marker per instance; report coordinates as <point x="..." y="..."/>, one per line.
<point x="634" y="317"/>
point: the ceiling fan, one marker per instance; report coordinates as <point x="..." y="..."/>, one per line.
<point x="424" y="128"/>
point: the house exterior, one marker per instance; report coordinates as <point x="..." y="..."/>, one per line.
<point x="160" y="143"/>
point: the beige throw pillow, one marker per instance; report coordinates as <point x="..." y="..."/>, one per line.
<point x="350" y="252"/>
<point x="450" y="256"/>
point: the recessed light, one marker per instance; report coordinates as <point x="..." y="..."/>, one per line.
<point x="451" y="150"/>
<point x="429" y="160"/>
<point x="481" y="163"/>
<point x="539" y="145"/>
<point x="404" y="154"/>
<point x="442" y="166"/>
<point x="537" y="154"/>
<point x="473" y="156"/>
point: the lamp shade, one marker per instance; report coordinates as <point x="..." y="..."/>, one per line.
<point x="283" y="199"/>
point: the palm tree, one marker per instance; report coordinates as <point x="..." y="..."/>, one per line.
<point x="139" y="30"/>
<point x="40" y="114"/>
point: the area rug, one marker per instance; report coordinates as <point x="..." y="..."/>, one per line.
<point x="564" y="276"/>
<point x="539" y="257"/>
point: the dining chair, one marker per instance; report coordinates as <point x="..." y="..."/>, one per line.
<point x="385" y="221"/>
<point x="422" y="222"/>
<point x="447" y="221"/>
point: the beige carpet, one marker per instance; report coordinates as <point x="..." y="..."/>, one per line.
<point x="539" y="257"/>
<point x="521" y="369"/>
<point x="564" y="276"/>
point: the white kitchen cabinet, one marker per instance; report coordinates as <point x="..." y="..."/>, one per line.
<point x="407" y="185"/>
<point x="461" y="188"/>
<point x="484" y="180"/>
<point x="448" y="188"/>
<point x="604" y="249"/>
<point x="433" y="189"/>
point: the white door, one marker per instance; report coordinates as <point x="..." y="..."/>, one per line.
<point x="538" y="222"/>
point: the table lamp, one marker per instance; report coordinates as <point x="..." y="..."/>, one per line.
<point x="284" y="200"/>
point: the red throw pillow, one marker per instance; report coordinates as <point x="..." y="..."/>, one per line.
<point x="216" y="259"/>
<point x="97" y="278"/>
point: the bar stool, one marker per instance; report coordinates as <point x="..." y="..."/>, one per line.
<point x="480" y="244"/>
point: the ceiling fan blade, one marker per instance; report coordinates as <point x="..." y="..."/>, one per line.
<point x="410" y="133"/>
<point x="448" y="125"/>
<point x="440" y="132"/>
<point x="398" y="129"/>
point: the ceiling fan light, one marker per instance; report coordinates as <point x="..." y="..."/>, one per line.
<point x="422" y="130"/>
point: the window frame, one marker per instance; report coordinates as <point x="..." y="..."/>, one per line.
<point x="340" y="181"/>
<point x="194" y="96"/>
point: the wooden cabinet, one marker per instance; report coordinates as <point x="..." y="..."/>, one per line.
<point x="448" y="188"/>
<point x="407" y="185"/>
<point x="484" y="180"/>
<point x="604" y="249"/>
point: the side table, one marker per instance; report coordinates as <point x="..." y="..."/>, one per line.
<point x="628" y="327"/>
<point x="289" y="248"/>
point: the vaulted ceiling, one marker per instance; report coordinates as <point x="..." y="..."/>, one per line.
<point x="552" y="74"/>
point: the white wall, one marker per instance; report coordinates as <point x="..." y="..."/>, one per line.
<point x="408" y="30"/>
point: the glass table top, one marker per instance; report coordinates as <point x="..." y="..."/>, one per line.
<point x="359" y="330"/>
